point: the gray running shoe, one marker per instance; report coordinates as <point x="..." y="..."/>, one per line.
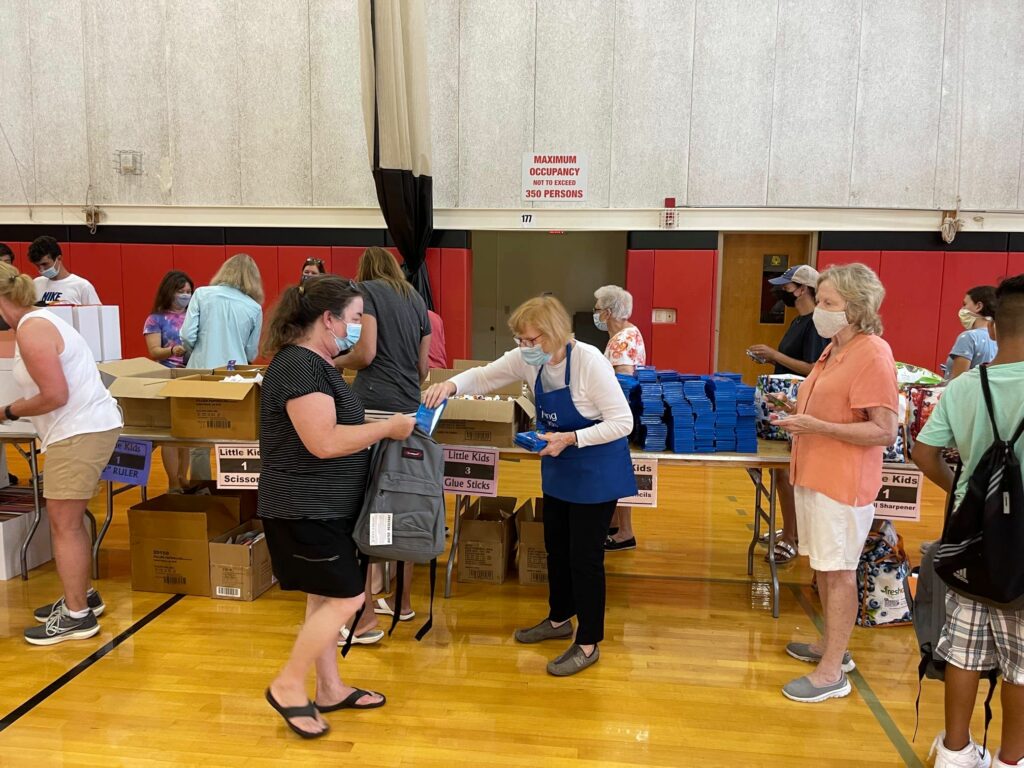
<point x="544" y="631"/>
<point x="92" y="600"/>
<point x="61" y="626"/>
<point x="572" y="661"/>
<point x="806" y="692"/>
<point x="803" y="652"/>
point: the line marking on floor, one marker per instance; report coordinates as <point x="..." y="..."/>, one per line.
<point x="14" y="715"/>
<point x="878" y="709"/>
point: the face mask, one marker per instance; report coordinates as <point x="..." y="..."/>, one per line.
<point x="600" y="324"/>
<point x="829" y="323"/>
<point x="307" y="277"/>
<point x="535" y="356"/>
<point x="352" y="334"/>
<point x="967" y="318"/>
<point x="51" y="272"/>
<point x="789" y="299"/>
<point x="182" y="299"/>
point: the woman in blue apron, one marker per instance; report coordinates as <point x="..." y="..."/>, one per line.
<point x="585" y="467"/>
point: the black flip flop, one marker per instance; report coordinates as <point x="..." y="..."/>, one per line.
<point x="306" y="710"/>
<point x="350" y="701"/>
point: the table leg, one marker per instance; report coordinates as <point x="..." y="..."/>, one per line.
<point x="103" y="531"/>
<point x="456" y="527"/>
<point x="757" y="478"/>
<point x="37" y="507"/>
<point x="772" y="565"/>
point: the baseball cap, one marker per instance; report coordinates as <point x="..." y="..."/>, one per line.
<point x="800" y="274"/>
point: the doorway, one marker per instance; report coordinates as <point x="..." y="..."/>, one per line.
<point x="748" y="313"/>
<point x="511" y="267"/>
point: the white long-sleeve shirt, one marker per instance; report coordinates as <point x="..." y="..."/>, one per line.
<point x="592" y="385"/>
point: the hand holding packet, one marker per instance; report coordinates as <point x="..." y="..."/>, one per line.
<point x="530" y="442"/>
<point x="427" y="418"/>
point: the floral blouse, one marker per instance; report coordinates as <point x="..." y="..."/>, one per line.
<point x="626" y="348"/>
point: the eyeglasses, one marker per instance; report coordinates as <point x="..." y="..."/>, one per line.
<point x="311" y="261"/>
<point x="520" y="342"/>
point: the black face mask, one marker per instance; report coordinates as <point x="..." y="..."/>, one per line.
<point x="785" y="297"/>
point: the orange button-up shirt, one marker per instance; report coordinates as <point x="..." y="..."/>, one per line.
<point x="844" y="383"/>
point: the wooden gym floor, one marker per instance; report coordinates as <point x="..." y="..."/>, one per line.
<point x="690" y="673"/>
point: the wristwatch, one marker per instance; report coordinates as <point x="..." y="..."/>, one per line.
<point x="8" y="416"/>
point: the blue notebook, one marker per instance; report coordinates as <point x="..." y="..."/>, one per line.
<point x="427" y="418"/>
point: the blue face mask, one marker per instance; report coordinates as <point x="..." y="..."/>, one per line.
<point x="352" y="334"/>
<point x="51" y="272"/>
<point x="535" y="356"/>
<point x="182" y="299"/>
<point x="600" y="324"/>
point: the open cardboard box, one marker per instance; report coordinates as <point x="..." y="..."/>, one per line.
<point x="437" y="375"/>
<point x="245" y="370"/>
<point x="484" y="422"/>
<point x="465" y="365"/>
<point x="170" y="540"/>
<point x="137" y="385"/>
<point x="240" y="571"/>
<point x="206" y="406"/>
<point x="486" y="538"/>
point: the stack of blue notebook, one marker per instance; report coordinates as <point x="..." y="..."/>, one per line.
<point x="679" y="417"/>
<point x="746" y="419"/>
<point x="697" y="394"/>
<point x="649" y="411"/>
<point x="724" y="393"/>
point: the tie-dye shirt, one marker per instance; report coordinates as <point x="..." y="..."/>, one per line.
<point x="168" y="325"/>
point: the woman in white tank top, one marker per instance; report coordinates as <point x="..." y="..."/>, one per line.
<point x="78" y="423"/>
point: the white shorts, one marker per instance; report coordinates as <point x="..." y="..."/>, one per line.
<point x="832" y="534"/>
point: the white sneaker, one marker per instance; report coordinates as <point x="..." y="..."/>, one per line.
<point x="971" y="756"/>
<point x="1000" y="764"/>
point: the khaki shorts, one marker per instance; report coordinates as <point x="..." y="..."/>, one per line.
<point x="831" y="533"/>
<point x="73" y="466"/>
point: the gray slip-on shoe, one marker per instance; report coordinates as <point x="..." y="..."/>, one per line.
<point x="572" y="661"/>
<point x="544" y="631"/>
<point x="803" y="690"/>
<point x="803" y="652"/>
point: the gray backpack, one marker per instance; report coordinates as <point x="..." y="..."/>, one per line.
<point x="403" y="511"/>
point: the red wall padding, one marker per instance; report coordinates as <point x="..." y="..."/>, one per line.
<point x="290" y="259"/>
<point x="200" y="262"/>
<point x="1014" y="264"/>
<point x="456" y="301"/>
<point x="871" y="259"/>
<point x="345" y="260"/>
<point x="910" y="311"/>
<point x="640" y="283"/>
<point x="685" y="281"/>
<point x="963" y="270"/>
<point x="145" y="266"/>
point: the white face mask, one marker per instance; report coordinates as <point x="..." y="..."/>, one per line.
<point x="828" y="323"/>
<point x="967" y="318"/>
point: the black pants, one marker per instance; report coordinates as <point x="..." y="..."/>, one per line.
<point x="574" y="536"/>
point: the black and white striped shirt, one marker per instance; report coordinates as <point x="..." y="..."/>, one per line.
<point x="295" y="484"/>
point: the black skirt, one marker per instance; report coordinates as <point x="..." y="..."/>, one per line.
<point x="317" y="557"/>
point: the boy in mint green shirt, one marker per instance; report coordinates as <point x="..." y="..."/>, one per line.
<point x="977" y="638"/>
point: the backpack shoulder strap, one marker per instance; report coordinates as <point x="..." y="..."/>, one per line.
<point x="988" y="402"/>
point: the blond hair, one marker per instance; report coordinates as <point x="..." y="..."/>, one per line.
<point x="16" y="287"/>
<point x="547" y="315"/>
<point x="863" y="293"/>
<point x="241" y="272"/>
<point x="379" y="264"/>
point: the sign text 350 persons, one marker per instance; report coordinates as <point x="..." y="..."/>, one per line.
<point x="554" y="177"/>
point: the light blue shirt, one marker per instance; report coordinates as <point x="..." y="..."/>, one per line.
<point x="975" y="345"/>
<point x="221" y="324"/>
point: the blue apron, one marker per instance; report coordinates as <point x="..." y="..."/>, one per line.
<point x="591" y="475"/>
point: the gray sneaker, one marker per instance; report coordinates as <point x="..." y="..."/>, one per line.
<point x="803" y="690"/>
<point x="92" y="600"/>
<point x="572" y="661"/>
<point x="61" y="626"/>
<point x="803" y="652"/>
<point x="544" y="631"/>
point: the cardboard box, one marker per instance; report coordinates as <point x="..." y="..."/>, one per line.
<point x="437" y="375"/>
<point x="14" y="525"/>
<point x="208" y="407"/>
<point x="137" y="385"/>
<point x="486" y="538"/>
<point x="246" y="370"/>
<point x="65" y="312"/>
<point x="484" y="422"/>
<point x="9" y="392"/>
<point x="465" y="365"/>
<point x="240" y="571"/>
<point x="87" y="323"/>
<point x="110" y="332"/>
<point x="531" y="556"/>
<point x="170" y="541"/>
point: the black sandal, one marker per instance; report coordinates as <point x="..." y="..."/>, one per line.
<point x="306" y="710"/>
<point x="350" y="701"/>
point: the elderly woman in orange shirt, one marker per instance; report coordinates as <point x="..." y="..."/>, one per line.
<point x="845" y="416"/>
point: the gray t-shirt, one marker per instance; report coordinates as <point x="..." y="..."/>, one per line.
<point x="392" y="380"/>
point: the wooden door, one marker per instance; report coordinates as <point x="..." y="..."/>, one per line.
<point x="740" y="320"/>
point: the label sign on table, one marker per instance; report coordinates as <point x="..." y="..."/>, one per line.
<point x="130" y="463"/>
<point x="471" y="471"/>
<point x="238" y="466"/>
<point x="900" y="497"/>
<point x="554" y="177"/>
<point x="646" y="472"/>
